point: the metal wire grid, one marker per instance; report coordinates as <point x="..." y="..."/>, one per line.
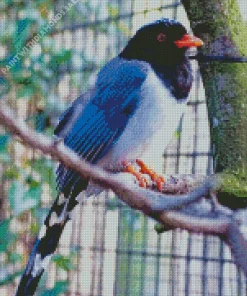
<point x="118" y="252"/>
<point x="175" y="263"/>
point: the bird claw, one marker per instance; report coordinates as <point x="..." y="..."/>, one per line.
<point x="140" y="178"/>
<point x="144" y="169"/>
<point x="159" y="182"/>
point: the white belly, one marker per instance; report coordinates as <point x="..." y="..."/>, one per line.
<point x="152" y="126"/>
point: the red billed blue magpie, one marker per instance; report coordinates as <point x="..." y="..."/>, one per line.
<point x="136" y="106"/>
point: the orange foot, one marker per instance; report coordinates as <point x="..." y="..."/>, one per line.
<point x="140" y="178"/>
<point x="144" y="169"/>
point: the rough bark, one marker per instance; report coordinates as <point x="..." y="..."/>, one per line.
<point x="220" y="25"/>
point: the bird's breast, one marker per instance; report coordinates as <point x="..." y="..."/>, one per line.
<point x="151" y="127"/>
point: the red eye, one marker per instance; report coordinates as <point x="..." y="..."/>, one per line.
<point x="161" y="37"/>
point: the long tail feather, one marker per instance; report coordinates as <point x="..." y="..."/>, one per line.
<point x="46" y="244"/>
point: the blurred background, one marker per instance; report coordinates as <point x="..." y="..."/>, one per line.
<point x="108" y="249"/>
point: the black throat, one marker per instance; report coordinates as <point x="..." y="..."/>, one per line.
<point x="177" y="78"/>
<point x="175" y="73"/>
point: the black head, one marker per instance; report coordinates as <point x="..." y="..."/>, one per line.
<point x="162" y="42"/>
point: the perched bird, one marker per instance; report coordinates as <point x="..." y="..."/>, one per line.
<point x="136" y="106"/>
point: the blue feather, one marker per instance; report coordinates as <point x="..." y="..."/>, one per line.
<point x="104" y="118"/>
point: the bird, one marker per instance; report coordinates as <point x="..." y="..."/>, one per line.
<point x="136" y="106"/>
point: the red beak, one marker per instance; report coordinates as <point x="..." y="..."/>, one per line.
<point x="189" y="41"/>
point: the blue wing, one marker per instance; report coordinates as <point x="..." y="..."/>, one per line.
<point x="100" y="124"/>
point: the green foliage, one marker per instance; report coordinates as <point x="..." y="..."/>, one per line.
<point x="113" y="11"/>
<point x="22" y="31"/>
<point x="14" y="257"/>
<point x="22" y="199"/>
<point x="233" y="183"/>
<point x="60" y="287"/>
<point x="11" y="173"/>
<point x="4" y="86"/>
<point x="63" y="262"/>
<point x="6" y="278"/>
<point x="26" y="66"/>
<point x="112" y="204"/>
<point x="159" y="228"/>
<point x="32" y="75"/>
<point x="3" y="142"/>
<point x="7" y="237"/>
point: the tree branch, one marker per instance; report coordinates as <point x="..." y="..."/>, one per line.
<point x="189" y="210"/>
<point x="150" y="202"/>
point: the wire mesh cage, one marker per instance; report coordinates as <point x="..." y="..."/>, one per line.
<point x="115" y="250"/>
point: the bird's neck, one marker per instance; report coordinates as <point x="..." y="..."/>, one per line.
<point x="174" y="70"/>
<point x="177" y="78"/>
